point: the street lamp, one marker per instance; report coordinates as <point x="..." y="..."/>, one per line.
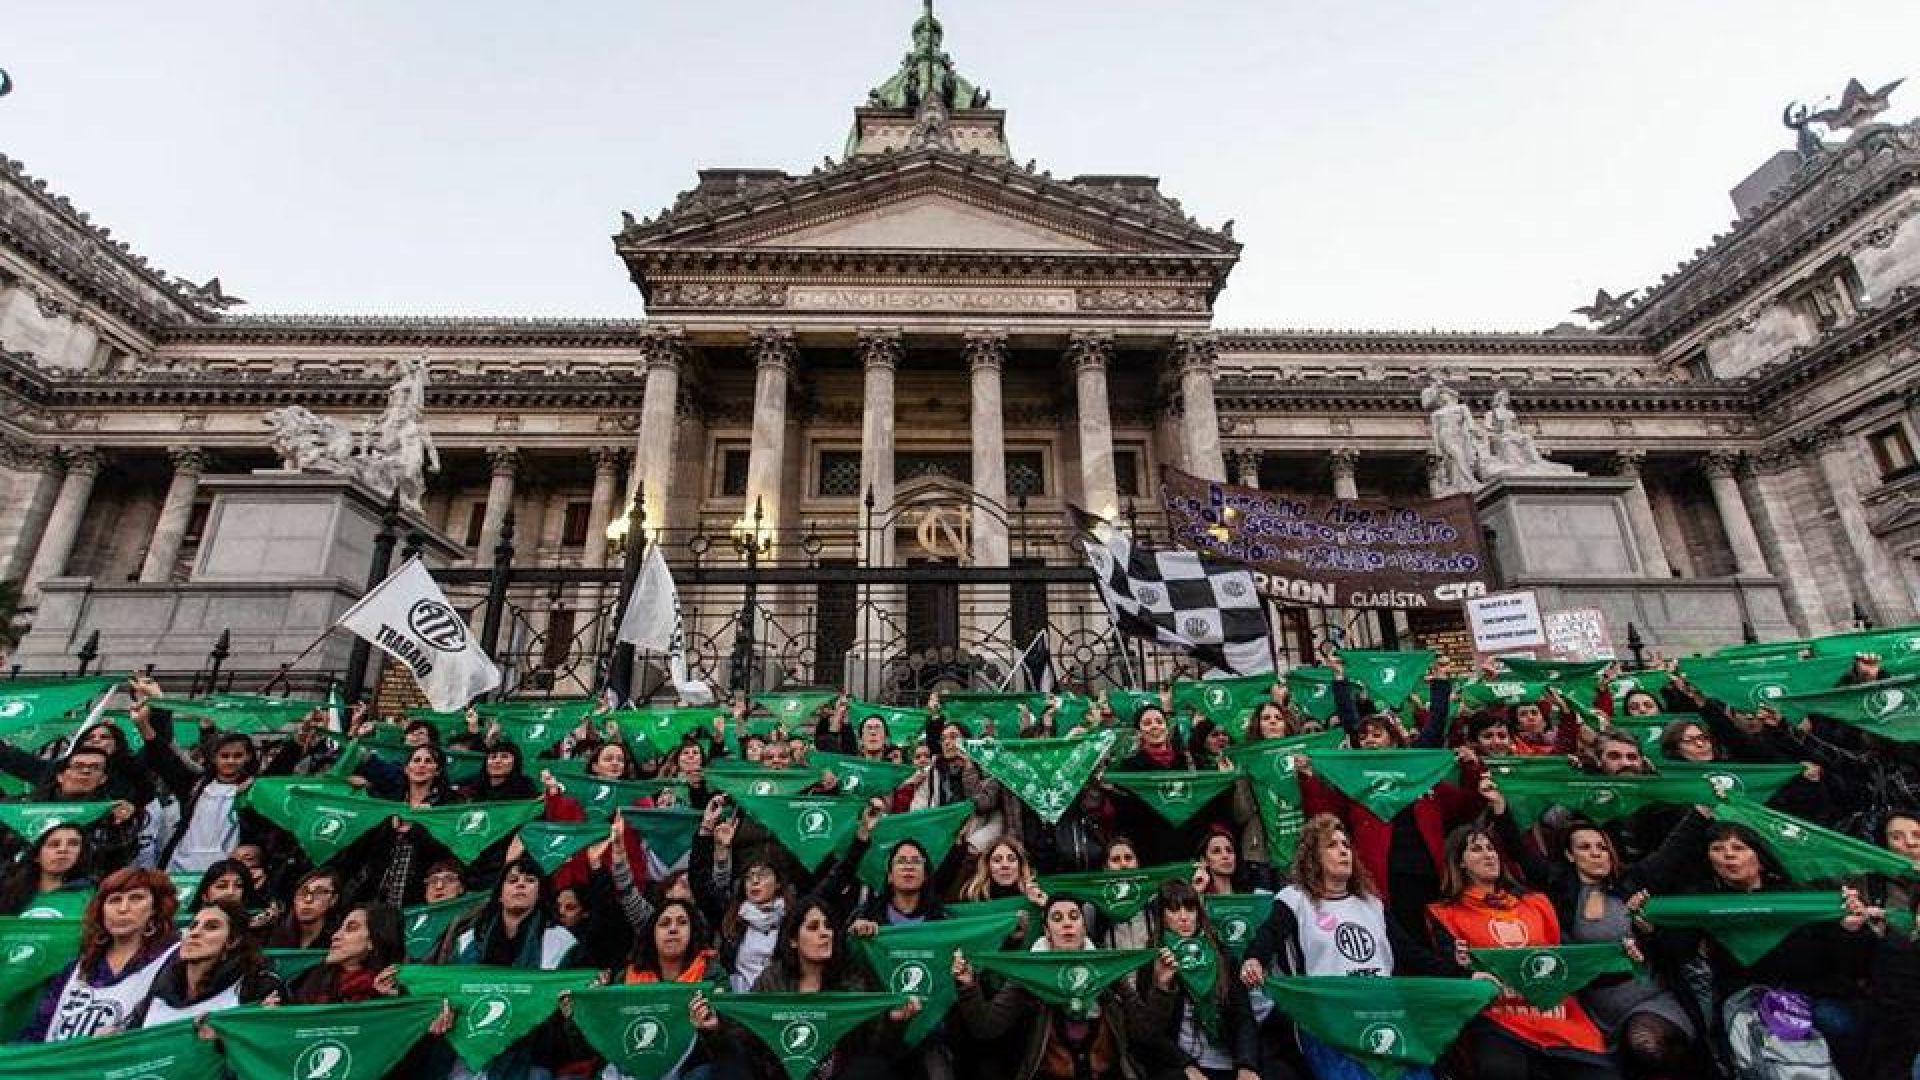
<point x="752" y="540"/>
<point x="630" y="531"/>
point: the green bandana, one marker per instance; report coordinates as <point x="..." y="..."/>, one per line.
<point x="1746" y="687"/>
<point x="738" y="780"/>
<point x="446" y="723"/>
<point x="1389" y="677"/>
<point x="551" y="843"/>
<point x="471" y="828"/>
<point x="1119" y="894"/>
<point x="33" y="950"/>
<point x="1750" y="925"/>
<point x="1531" y="791"/>
<point x="1046" y="774"/>
<point x="426" y="924"/>
<point x="1268" y="766"/>
<point x="860" y="776"/>
<point x="1759" y="651"/>
<point x="1198" y="964"/>
<point x="323" y="818"/>
<point x="1126" y="704"/>
<point x="58" y="904"/>
<point x="31" y="820"/>
<point x="168" y="1052"/>
<point x="27" y="703"/>
<point x="1548" y="975"/>
<point x="1384" y="781"/>
<point x="999" y="905"/>
<point x="395" y="750"/>
<point x="1388" y="1024"/>
<point x="811" y="827"/>
<point x="1175" y="796"/>
<point x="1647" y="682"/>
<point x="1227" y="702"/>
<point x="659" y="731"/>
<point x="272" y="797"/>
<point x="322" y="1042"/>
<point x="905" y="723"/>
<point x="1310" y="690"/>
<point x="493" y="1007"/>
<point x="600" y="798"/>
<point x="532" y="733"/>
<point x="245" y="713"/>
<point x="802" y="1029"/>
<point x="643" y="1030"/>
<point x="1236" y="917"/>
<point x="916" y="960"/>
<point x="1808" y="852"/>
<point x="668" y="833"/>
<point x="1509" y="691"/>
<point x="1646" y="730"/>
<point x="1890" y="645"/>
<point x="1573" y="678"/>
<point x="290" y="964"/>
<point x="936" y="829"/>
<point x="1758" y="782"/>
<point x="1889" y="708"/>
<point x="795" y="707"/>
<point x="981" y="713"/>
<point x="1071" y="980"/>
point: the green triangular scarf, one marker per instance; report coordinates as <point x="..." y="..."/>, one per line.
<point x="1808" y="852"/>
<point x="1531" y="792"/>
<point x="1646" y="730"/>
<point x="1268" y="766"/>
<point x="1573" y="678"/>
<point x="426" y="924"/>
<point x="659" y="730"/>
<point x="58" y="904"/>
<point x="1548" y="975"/>
<point x="668" y="832"/>
<point x="1384" y="781"/>
<point x="1387" y="1024"/>
<point x="795" y="707"/>
<point x="983" y="712"/>
<point x="1758" y="650"/>
<point x="290" y="964"/>
<point x="1758" y="782"/>
<point x="1236" y="917"/>
<point x="245" y="713"/>
<point x="1891" y="644"/>
<point x="1750" y="925"/>
<point x="1389" y="677"/>
<point x="810" y="827"/>
<point x="1310" y="690"/>
<point x="167" y="1052"/>
<point x="471" y="828"/>
<point x="860" y="776"/>
<point x="1046" y="774"/>
<point x="322" y="1042"/>
<point x="1227" y="702"/>
<point x="1889" y="708"/>
<point x="802" y="1029"/>
<point x="272" y="796"/>
<point x="1746" y="687"/>
<point x="551" y="843"/>
<point x="1198" y="965"/>
<point x="999" y="905"/>
<point x="1647" y="682"/>
<point x="905" y="723"/>
<point x="25" y="703"/>
<point x="32" y="950"/>
<point x="917" y="961"/>
<point x="1119" y="894"/>
<point x="1509" y="691"/>
<point x="643" y="1030"/>
<point x="1071" y="980"/>
<point x="1175" y="796"/>
<point x="322" y="818"/>
<point x="936" y="829"/>
<point x="30" y="820"/>
<point x="746" y="779"/>
<point x="493" y="1007"/>
<point x="600" y="798"/>
<point x="1126" y="704"/>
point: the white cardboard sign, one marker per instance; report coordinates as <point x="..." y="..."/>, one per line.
<point x="1506" y="621"/>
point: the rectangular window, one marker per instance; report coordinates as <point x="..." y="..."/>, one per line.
<point x="1892" y="451"/>
<point x="733" y="470"/>
<point x="476" y="517"/>
<point x="839" y="474"/>
<point x="1026" y="474"/>
<point x="573" y="526"/>
<point x="1126" y="472"/>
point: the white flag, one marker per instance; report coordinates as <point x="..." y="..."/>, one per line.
<point x="652" y="622"/>
<point x="408" y="618"/>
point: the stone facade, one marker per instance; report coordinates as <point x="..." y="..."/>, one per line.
<point x="928" y="307"/>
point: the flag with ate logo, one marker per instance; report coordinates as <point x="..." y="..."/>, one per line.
<point x="408" y="618"/>
<point x="1808" y="852"/>
<point x="31" y="819"/>
<point x="642" y="1029"/>
<point x="1175" y="796"/>
<point x="322" y="1042"/>
<point x="1119" y="894"/>
<point x="1384" y="781"/>
<point x="493" y="1007"/>
<point x="1889" y="708"/>
<point x="810" y="827"/>
<point x="1547" y="975"/>
<point x="164" y="1052"/>
<point x="1072" y="980"/>
<point x="916" y="959"/>
<point x="1236" y="917"/>
<point x="1046" y="774"/>
<point x="1388" y="1024"/>
<point x="800" y="1030"/>
<point x="323" y="817"/>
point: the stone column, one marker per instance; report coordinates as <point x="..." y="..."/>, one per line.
<point x="505" y="463"/>
<point x="1646" y="534"/>
<point x="1244" y="464"/>
<point x="1089" y="354"/>
<point x="24" y="517"/>
<point x="774" y="355"/>
<point x="601" y="511"/>
<point x="1886" y="591"/>
<point x="879" y="352"/>
<point x="1747" y="557"/>
<point x="63" y="524"/>
<point x="176" y="513"/>
<point x="1343" y="459"/>
<point x="1773" y="520"/>
<point x="653" y="453"/>
<point x="986" y="357"/>
<point x="1197" y="358"/>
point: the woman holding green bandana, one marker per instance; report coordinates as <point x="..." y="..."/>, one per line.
<point x="56" y="863"/>
<point x="1216" y="1036"/>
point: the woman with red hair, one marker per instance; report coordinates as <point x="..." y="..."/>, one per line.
<point x="126" y="936"/>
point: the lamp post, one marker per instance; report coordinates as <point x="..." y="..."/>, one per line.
<point x="750" y="539"/>
<point x="629" y="531"/>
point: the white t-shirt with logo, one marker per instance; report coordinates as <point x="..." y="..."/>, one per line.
<point x="84" y="1011"/>
<point x="1347" y="936"/>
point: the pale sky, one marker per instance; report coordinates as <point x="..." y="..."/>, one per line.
<point x="1389" y="165"/>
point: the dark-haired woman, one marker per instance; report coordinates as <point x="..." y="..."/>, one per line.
<point x="312" y="916"/>
<point x="126" y="934"/>
<point x="388" y="864"/>
<point x="514" y="928"/>
<point x="908" y="896"/>
<point x="1895" y="974"/>
<point x="674" y="947"/>
<point x="54" y="869"/>
<point x="359" y="964"/>
<point x="1227" y="1047"/>
<point x="217" y="966"/>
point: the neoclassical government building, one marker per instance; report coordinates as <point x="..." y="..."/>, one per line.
<point x="845" y="348"/>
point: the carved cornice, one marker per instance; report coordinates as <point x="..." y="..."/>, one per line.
<point x="1244" y="396"/>
<point x="464" y="331"/>
<point x="1464" y="343"/>
<point x="1894" y="321"/>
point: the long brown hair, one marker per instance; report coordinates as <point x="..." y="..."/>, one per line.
<point x="1453" y="880"/>
<point x="1180" y="895"/>
<point x="94" y="939"/>
<point x="1319" y="831"/>
<point x="979" y="885"/>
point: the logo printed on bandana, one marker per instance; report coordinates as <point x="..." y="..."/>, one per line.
<point x="1216" y="696"/>
<point x="489" y="1013"/>
<point x="22" y="952"/>
<point x="1387" y="673"/>
<point x="1789" y="831"/>
<point x="1382" y="1039"/>
<point x="1075" y="979"/>
<point x="438" y="625"/>
<point x="763" y="787"/>
<point x="1119" y="892"/>
<point x="328" y="826"/>
<point x="1233" y="931"/>
<point x="419" y="923"/>
<point x="328" y="1059"/>
<point x="645" y="1036"/>
<point x="799" y="1039"/>
<point x="911" y="978"/>
<point x="1883" y="703"/>
<point x="815" y="823"/>
<point x="1542" y="966"/>
<point x="536" y="732"/>
<point x="1176" y="791"/>
<point x="1768" y="692"/>
<point x="471" y="822"/>
<point x="13" y="710"/>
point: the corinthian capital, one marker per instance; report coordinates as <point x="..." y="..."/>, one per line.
<point x="1629" y="462"/>
<point x="83" y="459"/>
<point x="1089" y="351"/>
<point x="503" y="460"/>
<point x="1197" y="353"/>
<point x="188" y="459"/>
<point x="773" y="347"/>
<point x="879" y="348"/>
<point x="664" y="347"/>
<point x="986" y="349"/>
<point x="1722" y="463"/>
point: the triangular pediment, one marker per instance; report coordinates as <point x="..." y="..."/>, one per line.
<point x="930" y="220"/>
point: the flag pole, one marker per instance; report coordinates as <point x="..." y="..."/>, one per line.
<point x="287" y="668"/>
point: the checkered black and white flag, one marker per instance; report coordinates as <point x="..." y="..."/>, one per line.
<point x="1207" y="607"/>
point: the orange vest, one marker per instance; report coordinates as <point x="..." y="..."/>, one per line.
<point x="1498" y="921"/>
<point x="696" y="971"/>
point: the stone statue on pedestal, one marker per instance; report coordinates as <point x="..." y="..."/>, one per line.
<point x="394" y="453"/>
<point x="1468" y="455"/>
<point x="1511" y="451"/>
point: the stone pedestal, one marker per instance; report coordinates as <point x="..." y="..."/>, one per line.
<point x="284" y="555"/>
<point x="1571" y="539"/>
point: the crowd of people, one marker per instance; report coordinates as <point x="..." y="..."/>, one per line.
<point x="1692" y="881"/>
